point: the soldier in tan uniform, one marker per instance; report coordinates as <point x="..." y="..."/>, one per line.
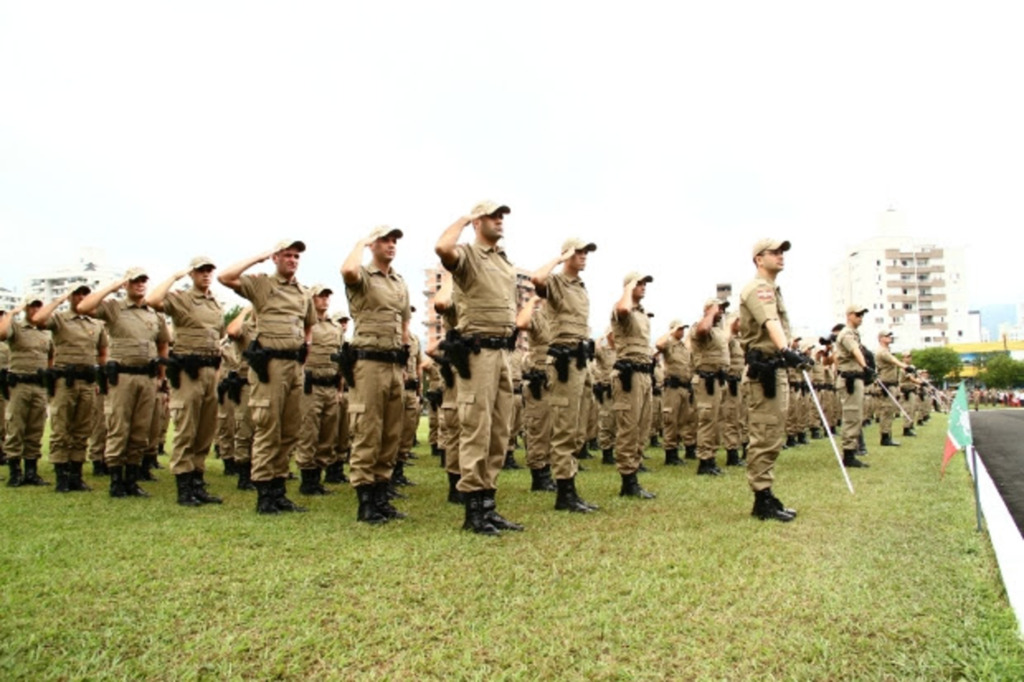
<point x="198" y="321"/>
<point x="853" y="370"/>
<point x="485" y="292"/>
<point x="321" y="383"/>
<point x="225" y="442"/>
<point x="710" y="350"/>
<point x="733" y="412"/>
<point x="631" y="382"/>
<point x="343" y="445"/>
<point x="448" y="413"/>
<point x="538" y="376"/>
<point x="515" y="366"/>
<point x="80" y="344"/>
<point x="569" y="351"/>
<point x="31" y="350"/>
<point x="411" y="402"/>
<point x="433" y="394"/>
<point x="910" y="387"/>
<point x="284" y="325"/>
<point x="138" y="339"/>
<point x="241" y="332"/>
<point x="5" y="361"/>
<point x="378" y="301"/>
<point x="889" y="374"/>
<point x="677" y="400"/>
<point x="604" y="361"/>
<point x="764" y="329"/>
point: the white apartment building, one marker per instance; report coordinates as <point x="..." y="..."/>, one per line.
<point x="91" y="269"/>
<point x="916" y="289"/>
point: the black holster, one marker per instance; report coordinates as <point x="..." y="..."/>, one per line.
<point x="457" y="350"/>
<point x="50" y="379"/>
<point x="562" y="357"/>
<point x="625" y="370"/>
<point x="346" y="361"/>
<point x="101" y="380"/>
<point x="307" y="383"/>
<point x="536" y="381"/>
<point x="445" y="367"/>
<point x="111" y="371"/>
<point x="851" y="380"/>
<point x="761" y="368"/>
<point x="222" y="390"/>
<point x="235" y="384"/>
<point x="434" y="396"/>
<point x="258" y="360"/>
<point x="5" y="391"/>
<point x="734" y="385"/>
<point x="710" y="379"/>
<point x="173" y="371"/>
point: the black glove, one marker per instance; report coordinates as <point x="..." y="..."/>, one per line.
<point x="869" y="376"/>
<point x="793" y="358"/>
<point x="911" y="369"/>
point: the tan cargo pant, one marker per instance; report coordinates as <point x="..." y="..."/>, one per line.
<point x="537" y="421"/>
<point x="853" y="413"/>
<point x="128" y="409"/>
<point x="632" y="412"/>
<point x="25" y="418"/>
<point x="98" y="436"/>
<point x="676" y="409"/>
<point x="708" y="406"/>
<point x="887" y="411"/>
<point x="344" y="441"/>
<point x="515" y="426"/>
<point x="432" y="422"/>
<point x="319" y="428"/>
<point x="72" y="411"/>
<point x="729" y="414"/>
<point x="276" y="409"/>
<point x="410" y="421"/>
<point x="485" y="412"/>
<point x="767" y="418"/>
<point x="243" y="425"/>
<point x="564" y="402"/>
<point x="376" y="413"/>
<point x="226" y="428"/>
<point x="194" y="413"/>
<point x="448" y="429"/>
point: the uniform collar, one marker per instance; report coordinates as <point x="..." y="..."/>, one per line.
<point x="281" y="280"/>
<point x="374" y="270"/>
<point x="484" y="248"/>
<point x="195" y="293"/>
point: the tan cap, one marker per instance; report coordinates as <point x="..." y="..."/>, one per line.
<point x="858" y="309"/>
<point x="488" y="208"/>
<point x="577" y="244"/>
<point x="32" y="299"/>
<point x="200" y="262"/>
<point x="341" y="317"/>
<point x="296" y="244"/>
<point x="720" y="302"/>
<point x="136" y="273"/>
<point x="638" y="277"/>
<point x="770" y="245"/>
<point x="382" y="231"/>
<point x="677" y="324"/>
<point x="321" y="290"/>
<point x="885" y="332"/>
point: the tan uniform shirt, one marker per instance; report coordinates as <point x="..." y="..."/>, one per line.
<point x="539" y="339"/>
<point x="846" y="342"/>
<point x="736" y="362"/>
<point x="412" y="367"/>
<point x="198" y="322"/>
<point x="678" y="362"/>
<point x="231" y="357"/>
<point x="30" y="348"/>
<point x="569" y="309"/>
<point x="604" y="361"/>
<point x="77" y="339"/>
<point x="515" y="367"/>
<point x="485" y="283"/>
<point x="283" y="310"/>
<point x="5" y="355"/>
<point x="379" y="306"/>
<point x="326" y="341"/>
<point x="888" y="370"/>
<point x="710" y="353"/>
<point x="632" y="335"/>
<point x="761" y="301"/>
<point x="135" y="331"/>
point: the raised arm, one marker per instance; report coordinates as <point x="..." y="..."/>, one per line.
<point x="44" y="314"/>
<point x="624" y="306"/>
<point x="526" y="314"/>
<point x="446" y="246"/>
<point x="88" y="305"/>
<point x="5" y="322"/>
<point x="350" y="268"/>
<point x="155" y="298"/>
<point x="539" y="277"/>
<point x="231" y="275"/>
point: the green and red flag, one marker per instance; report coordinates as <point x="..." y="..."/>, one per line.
<point x="958" y="433"/>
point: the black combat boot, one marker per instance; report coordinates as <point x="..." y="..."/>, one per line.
<point x="631" y="488"/>
<point x="335" y="473"/>
<point x="368" y="512"/>
<point x="132" y="472"/>
<point x="816" y="433"/>
<point x="280" y="493"/>
<point x="99" y="468"/>
<point x="475" y="520"/>
<point x="654" y="441"/>
<point x="444" y="456"/>
<point x="584" y="452"/>
<point x="768" y="507"/>
<point x="732" y="458"/>
<point x="117" y="486"/>
<point x="888" y="442"/>
<point x="510" y="461"/>
<point x="908" y="432"/>
<point x="454" y="496"/>
<point x="75" y="482"/>
<point x="567" y="499"/>
<point x="542" y="481"/>
<point x="311" y="483"/>
<point x="63" y="476"/>
<point x="434" y="450"/>
<point x="801" y="438"/>
<point x="790" y="441"/>
<point x="383" y="503"/>
<point x="672" y="457"/>
<point x="608" y="456"/>
<point x="265" y="502"/>
<point x="146" y="470"/>
<point x="691" y="451"/>
<point x="708" y="467"/>
<point x="32" y="474"/>
<point x="199" y="490"/>
<point x="850" y="460"/>
<point x="229" y="467"/>
<point x="185" y="496"/>
<point x="398" y="475"/>
<point x="862" y="447"/>
<point x="245" y="476"/>
<point x="15" y="476"/>
<point x="491" y="515"/>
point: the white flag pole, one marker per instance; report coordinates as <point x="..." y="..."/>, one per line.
<point x="828" y="429"/>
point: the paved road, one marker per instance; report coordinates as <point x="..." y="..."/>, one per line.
<point x="999" y="438"/>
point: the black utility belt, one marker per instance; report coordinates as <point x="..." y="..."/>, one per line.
<point x="15" y="378"/>
<point x="517" y="390"/>
<point x="274" y="354"/>
<point x="642" y="367"/>
<point x="148" y="369"/>
<point x="577" y="351"/>
<point x="412" y="385"/>
<point x="494" y="342"/>
<point x="676" y="382"/>
<point x="86" y="373"/>
<point x="198" y="360"/>
<point x="323" y="381"/>
<point x="395" y="357"/>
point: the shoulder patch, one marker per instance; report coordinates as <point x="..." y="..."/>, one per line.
<point x="765" y="295"/>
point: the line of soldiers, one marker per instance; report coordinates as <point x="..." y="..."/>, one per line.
<point x="281" y="382"/>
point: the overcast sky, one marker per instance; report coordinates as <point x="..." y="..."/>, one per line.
<point x="672" y="134"/>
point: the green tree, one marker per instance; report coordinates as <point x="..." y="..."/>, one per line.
<point x="232" y="314"/>
<point x="940" y="361"/>
<point x="1002" y="371"/>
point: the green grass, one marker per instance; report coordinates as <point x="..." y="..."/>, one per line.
<point x="890" y="583"/>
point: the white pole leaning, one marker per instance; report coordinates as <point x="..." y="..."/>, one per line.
<point x="828" y="429"/>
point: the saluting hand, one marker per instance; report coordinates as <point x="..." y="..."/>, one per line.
<point x="566" y="255"/>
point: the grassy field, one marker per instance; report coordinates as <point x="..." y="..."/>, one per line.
<point x="890" y="583"/>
